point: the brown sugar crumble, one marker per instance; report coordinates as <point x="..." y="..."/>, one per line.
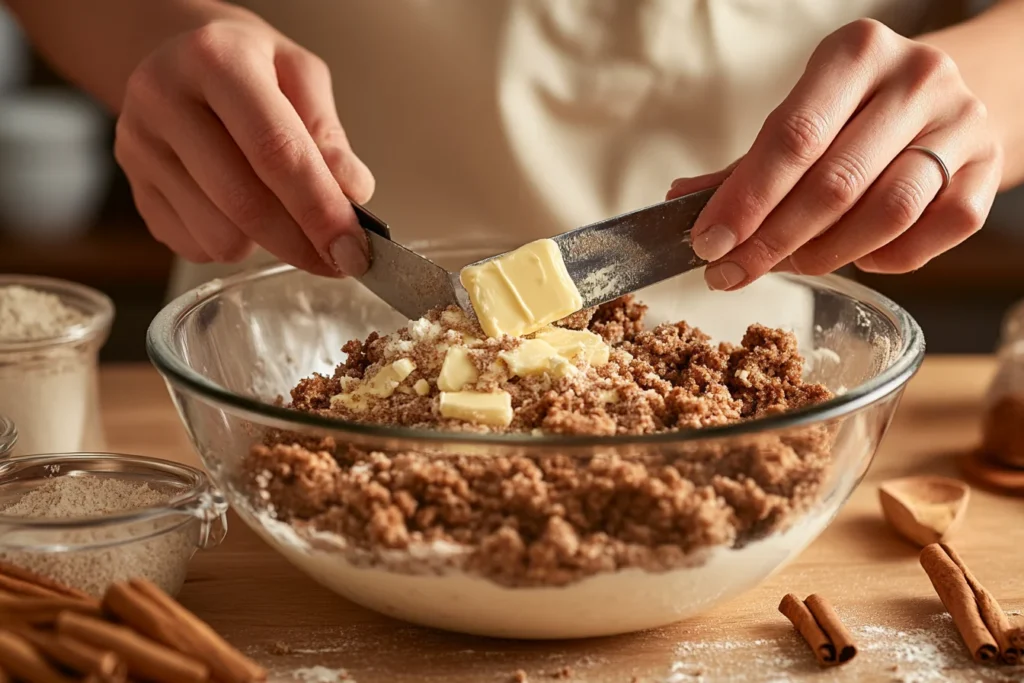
<point x="551" y="516"/>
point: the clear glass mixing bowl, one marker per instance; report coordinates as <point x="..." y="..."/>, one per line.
<point x="229" y="349"/>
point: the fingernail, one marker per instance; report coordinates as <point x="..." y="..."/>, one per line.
<point x="786" y="265"/>
<point x="678" y="181"/>
<point x="350" y="254"/>
<point x="724" y="275"/>
<point x="867" y="263"/>
<point x="714" y="243"/>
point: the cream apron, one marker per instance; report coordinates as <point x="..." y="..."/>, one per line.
<point x="519" y="119"/>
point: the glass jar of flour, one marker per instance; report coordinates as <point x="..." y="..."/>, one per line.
<point x="51" y="332"/>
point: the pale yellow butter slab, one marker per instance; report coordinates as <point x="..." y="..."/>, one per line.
<point x="487" y="408"/>
<point x="522" y="291"/>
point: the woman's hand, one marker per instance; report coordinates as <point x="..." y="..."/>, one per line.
<point x="829" y="180"/>
<point x="229" y="137"/>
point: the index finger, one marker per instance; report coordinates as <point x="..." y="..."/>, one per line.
<point x="836" y="82"/>
<point x="244" y="94"/>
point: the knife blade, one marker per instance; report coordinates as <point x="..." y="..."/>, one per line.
<point x="408" y="282"/>
<point x="620" y="255"/>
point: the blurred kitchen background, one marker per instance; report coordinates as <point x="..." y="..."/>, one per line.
<point x="66" y="211"/>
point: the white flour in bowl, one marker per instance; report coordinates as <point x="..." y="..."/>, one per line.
<point x="161" y="558"/>
<point x="611" y="602"/>
<point x="48" y="390"/>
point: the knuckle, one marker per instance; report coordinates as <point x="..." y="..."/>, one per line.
<point x="210" y="46"/>
<point x="244" y="208"/>
<point x="143" y="84"/>
<point x="802" y="133"/>
<point x="974" y="110"/>
<point x="841" y="180"/>
<point x="904" y="202"/>
<point x="861" y="39"/>
<point x="929" y="65"/>
<point x="314" y="64"/>
<point x="277" y="150"/>
<point x="124" y="141"/>
<point x="968" y="214"/>
<point x="316" y="220"/>
<point x="764" y="251"/>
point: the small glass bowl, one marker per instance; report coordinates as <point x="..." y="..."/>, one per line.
<point x="8" y="436"/>
<point x="90" y="553"/>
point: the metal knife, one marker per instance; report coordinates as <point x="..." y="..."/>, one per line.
<point x="606" y="260"/>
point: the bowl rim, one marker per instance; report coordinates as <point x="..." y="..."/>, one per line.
<point x="100" y="312"/>
<point x="8" y="435"/>
<point x="188" y="503"/>
<point x="179" y="375"/>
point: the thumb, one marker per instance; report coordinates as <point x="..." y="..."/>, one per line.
<point x="305" y="80"/>
<point x="684" y="186"/>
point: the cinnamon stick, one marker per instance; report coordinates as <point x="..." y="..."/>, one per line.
<point x="832" y="625"/>
<point x="22" y="574"/>
<point x="145" y="658"/>
<point x="808" y="628"/>
<point x="952" y="587"/>
<point x="1015" y="636"/>
<point x="991" y="613"/>
<point x="12" y="584"/>
<point x="21" y="660"/>
<point x="142" y="605"/>
<point x="134" y="609"/>
<point x="42" y="610"/>
<point x="74" y="655"/>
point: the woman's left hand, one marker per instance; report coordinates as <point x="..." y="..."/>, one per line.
<point x="829" y="179"/>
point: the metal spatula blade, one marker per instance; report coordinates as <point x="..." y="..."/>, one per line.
<point x="620" y="255"/>
<point x="408" y="282"/>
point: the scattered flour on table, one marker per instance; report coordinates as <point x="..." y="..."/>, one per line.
<point x="161" y="558"/>
<point x="321" y="674"/>
<point x="910" y="655"/>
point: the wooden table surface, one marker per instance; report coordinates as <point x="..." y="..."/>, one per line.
<point x="258" y="601"/>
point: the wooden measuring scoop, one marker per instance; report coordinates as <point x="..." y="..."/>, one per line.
<point x="924" y="509"/>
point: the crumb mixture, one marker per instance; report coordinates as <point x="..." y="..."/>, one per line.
<point x="551" y="517"/>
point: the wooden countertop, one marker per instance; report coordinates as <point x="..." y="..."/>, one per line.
<point x="252" y="596"/>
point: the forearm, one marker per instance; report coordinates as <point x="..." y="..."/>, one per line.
<point x="989" y="51"/>
<point x="97" y="44"/>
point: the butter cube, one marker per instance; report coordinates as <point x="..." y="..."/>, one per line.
<point x="383" y="384"/>
<point x="355" y="402"/>
<point x="494" y="408"/>
<point x="422" y="387"/>
<point x="457" y="370"/>
<point x="573" y="343"/>
<point x="531" y="357"/>
<point x="522" y="291"/>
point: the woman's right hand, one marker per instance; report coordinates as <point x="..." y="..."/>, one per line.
<point x="229" y="137"/>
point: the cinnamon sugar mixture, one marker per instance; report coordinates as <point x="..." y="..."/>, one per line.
<point x="532" y="516"/>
